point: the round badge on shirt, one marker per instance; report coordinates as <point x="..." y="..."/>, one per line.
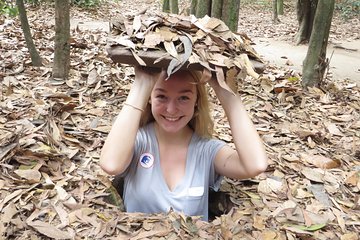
<point x="146" y="160"/>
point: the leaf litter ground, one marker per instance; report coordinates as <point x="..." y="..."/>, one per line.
<point x="52" y="131"/>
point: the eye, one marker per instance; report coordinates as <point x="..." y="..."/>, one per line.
<point x="184" y="98"/>
<point x="161" y="97"/>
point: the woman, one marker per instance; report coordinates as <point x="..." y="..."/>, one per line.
<point x="161" y="144"/>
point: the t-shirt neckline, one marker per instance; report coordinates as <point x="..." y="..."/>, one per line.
<point x="179" y="187"/>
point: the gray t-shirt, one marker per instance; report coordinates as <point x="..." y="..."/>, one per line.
<point x="145" y="189"/>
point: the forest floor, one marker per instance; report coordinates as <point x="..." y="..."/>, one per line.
<point x="52" y="131"/>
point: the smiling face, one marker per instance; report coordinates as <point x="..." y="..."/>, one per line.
<point x="173" y="102"/>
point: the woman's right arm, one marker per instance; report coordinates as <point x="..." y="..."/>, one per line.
<point x="119" y="145"/>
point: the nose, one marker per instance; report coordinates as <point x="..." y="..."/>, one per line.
<point x="171" y="107"/>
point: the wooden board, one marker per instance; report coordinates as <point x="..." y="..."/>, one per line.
<point x="120" y="54"/>
<point x="124" y="55"/>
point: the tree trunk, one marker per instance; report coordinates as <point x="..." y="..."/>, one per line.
<point x="166" y="6"/>
<point x="280" y="7"/>
<point x="315" y="62"/>
<point x="203" y="7"/>
<point x="275" y="12"/>
<point x="62" y="37"/>
<point x="193" y="7"/>
<point x="216" y="8"/>
<point x="305" y="14"/>
<point x="226" y="10"/>
<point x="174" y="6"/>
<point x="35" y="57"/>
<point x="230" y="13"/>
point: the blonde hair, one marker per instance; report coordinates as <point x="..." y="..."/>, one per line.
<point x="201" y="123"/>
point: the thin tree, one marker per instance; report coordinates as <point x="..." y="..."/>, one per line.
<point x="193" y="6"/>
<point x="216" y="8"/>
<point x="34" y="55"/>
<point x="280" y="7"/>
<point x="174" y="6"/>
<point x="203" y="7"/>
<point x="226" y="10"/>
<point x="166" y="6"/>
<point x="230" y="13"/>
<point x="275" y="12"/>
<point x="305" y="10"/>
<point x="170" y="6"/>
<point x="315" y="62"/>
<point x="62" y="36"/>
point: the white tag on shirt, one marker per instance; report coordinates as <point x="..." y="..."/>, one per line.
<point x="196" y="191"/>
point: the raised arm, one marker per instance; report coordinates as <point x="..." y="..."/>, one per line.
<point x="119" y="145"/>
<point x="249" y="159"/>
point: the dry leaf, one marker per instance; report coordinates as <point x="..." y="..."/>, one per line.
<point x="92" y="77"/>
<point x="137" y="23"/>
<point x="32" y="175"/>
<point x="49" y="230"/>
<point x="153" y="39"/>
<point x="259" y="222"/>
<point x="340" y="218"/>
<point x="353" y="178"/>
<point x="333" y="129"/>
<point x="320" y="194"/>
<point x="321" y="161"/>
<point x="350" y="236"/>
<point x="342" y="118"/>
<point x="170" y="48"/>
<point x="316" y="175"/>
<point x="4" y="150"/>
<point x="8" y="213"/>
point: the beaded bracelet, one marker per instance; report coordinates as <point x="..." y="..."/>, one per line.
<point x="134" y="107"/>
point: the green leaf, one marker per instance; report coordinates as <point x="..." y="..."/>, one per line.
<point x="293" y="79"/>
<point x="252" y="195"/>
<point x="311" y="228"/>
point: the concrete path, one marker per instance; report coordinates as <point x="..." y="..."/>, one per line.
<point x="89" y="25"/>
<point x="344" y="63"/>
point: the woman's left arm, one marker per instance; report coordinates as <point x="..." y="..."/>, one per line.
<point x="250" y="158"/>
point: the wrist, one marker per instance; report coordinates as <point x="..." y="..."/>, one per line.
<point x="133" y="107"/>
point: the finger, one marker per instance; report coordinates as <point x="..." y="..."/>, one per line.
<point x="138" y="69"/>
<point x="206" y="75"/>
<point x="163" y="74"/>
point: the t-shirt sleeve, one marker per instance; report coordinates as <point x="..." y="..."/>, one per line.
<point x="215" y="179"/>
<point x="139" y="145"/>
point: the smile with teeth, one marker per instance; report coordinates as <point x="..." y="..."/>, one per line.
<point x="172" y="119"/>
